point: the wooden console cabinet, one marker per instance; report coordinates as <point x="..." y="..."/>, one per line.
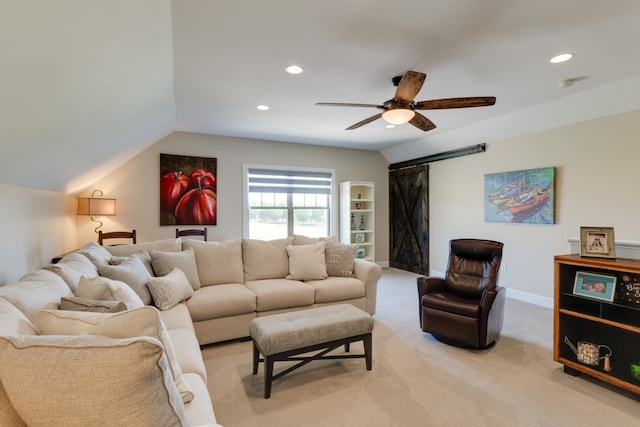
<point x="606" y="334"/>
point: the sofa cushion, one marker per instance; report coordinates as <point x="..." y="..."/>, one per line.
<point x="164" y="262"/>
<point x="103" y="288"/>
<point x="169" y="290"/>
<point x="40" y="373"/>
<point x="131" y="271"/>
<point x="96" y="253"/>
<point x="212" y="302"/>
<point x="265" y="259"/>
<point x="144" y="321"/>
<point x="189" y="357"/>
<point x="142" y="255"/>
<point x="32" y="296"/>
<point x="177" y="317"/>
<point x="13" y="322"/>
<point x="340" y="259"/>
<point x="165" y="245"/>
<point x="337" y="289"/>
<point x="307" y="262"/>
<point x="91" y="305"/>
<point x="274" y="294"/>
<point x="218" y="262"/>
<point x="72" y="267"/>
<point x="199" y="410"/>
<point x="305" y="240"/>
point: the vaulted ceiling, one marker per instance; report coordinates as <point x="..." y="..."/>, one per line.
<point x="87" y="85"/>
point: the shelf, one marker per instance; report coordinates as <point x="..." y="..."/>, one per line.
<point x="358" y="210"/>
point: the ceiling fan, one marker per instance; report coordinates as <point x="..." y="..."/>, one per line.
<point x="402" y="108"/>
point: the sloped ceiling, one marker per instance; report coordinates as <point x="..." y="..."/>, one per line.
<point x="86" y="85"/>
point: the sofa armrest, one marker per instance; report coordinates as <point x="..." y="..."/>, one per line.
<point x="369" y="272"/>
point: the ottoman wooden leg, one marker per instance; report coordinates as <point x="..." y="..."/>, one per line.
<point x="268" y="376"/>
<point x="367" y="350"/>
<point x="256" y="358"/>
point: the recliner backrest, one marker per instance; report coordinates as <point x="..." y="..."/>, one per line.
<point x="473" y="266"/>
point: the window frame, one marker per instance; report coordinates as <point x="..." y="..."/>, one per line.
<point x="333" y="199"/>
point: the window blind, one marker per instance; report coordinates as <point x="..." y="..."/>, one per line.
<point x="288" y="182"/>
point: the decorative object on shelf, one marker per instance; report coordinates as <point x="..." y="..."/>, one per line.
<point x="589" y="353"/>
<point x="359" y="196"/>
<point x="523" y="196"/>
<point x="635" y="371"/>
<point x="353" y="221"/>
<point x="188" y="190"/>
<point x="598" y="286"/>
<point x="359" y="237"/>
<point x="597" y="242"/>
<point x="360" y="253"/>
<point x="628" y="292"/>
<point x="96" y="206"/>
<point x="362" y="225"/>
<point x="358" y="205"/>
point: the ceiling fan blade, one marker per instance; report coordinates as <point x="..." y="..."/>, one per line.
<point x="365" y="121"/>
<point x="442" y="104"/>
<point x="421" y="122"/>
<point x="345" y="104"/>
<point x="409" y="86"/>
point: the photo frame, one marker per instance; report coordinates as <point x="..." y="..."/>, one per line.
<point x="594" y="285"/>
<point x="360" y="253"/>
<point x="359" y="238"/>
<point x="597" y="242"/>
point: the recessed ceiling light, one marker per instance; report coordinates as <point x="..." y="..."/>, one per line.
<point x="390" y="126"/>
<point x="561" y="58"/>
<point x="262" y="107"/>
<point x="294" y="69"/>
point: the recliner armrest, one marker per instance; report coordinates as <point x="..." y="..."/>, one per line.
<point x="429" y="284"/>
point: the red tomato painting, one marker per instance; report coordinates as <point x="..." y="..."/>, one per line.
<point x="188" y="194"/>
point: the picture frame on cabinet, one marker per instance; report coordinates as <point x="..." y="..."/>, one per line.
<point x="597" y="242"/>
<point x="359" y="238"/>
<point x="593" y="285"/>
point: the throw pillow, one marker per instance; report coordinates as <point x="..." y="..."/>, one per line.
<point x="170" y="290"/>
<point x="140" y="322"/>
<point x="165" y="262"/>
<point x="71" y="267"/>
<point x="307" y="262"/>
<point x="132" y="272"/>
<point x="31" y="296"/>
<point x="218" y="262"/>
<point x="340" y="259"/>
<point x="265" y="259"/>
<point x="92" y="305"/>
<point x="96" y="253"/>
<point x="39" y="373"/>
<point x="142" y="255"/>
<point x="14" y="322"/>
<point x="103" y="288"/>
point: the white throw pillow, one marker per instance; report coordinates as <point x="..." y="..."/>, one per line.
<point x="165" y="262"/>
<point x="340" y="259"/>
<point x="144" y="321"/>
<point x="265" y="259"/>
<point x="72" y="267"/>
<point x="89" y="380"/>
<point x="170" y="290"/>
<point x="96" y="253"/>
<point x="103" y="288"/>
<point x="131" y="271"/>
<point x="307" y="262"/>
<point x="217" y="262"/>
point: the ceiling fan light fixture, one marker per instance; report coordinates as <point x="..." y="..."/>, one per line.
<point x="562" y="57"/>
<point x="398" y="116"/>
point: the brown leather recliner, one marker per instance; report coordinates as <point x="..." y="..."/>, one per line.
<point x="466" y="307"/>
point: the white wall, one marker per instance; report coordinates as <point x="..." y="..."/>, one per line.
<point x="35" y="226"/>
<point x="597" y="176"/>
<point x="135" y="184"/>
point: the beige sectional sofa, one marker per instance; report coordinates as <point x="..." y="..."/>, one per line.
<point x="205" y="292"/>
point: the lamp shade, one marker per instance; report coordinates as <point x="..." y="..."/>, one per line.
<point x="398" y="116"/>
<point x="94" y="206"/>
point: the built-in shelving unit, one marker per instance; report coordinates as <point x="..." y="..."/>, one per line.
<point x="594" y="336"/>
<point x="357" y="220"/>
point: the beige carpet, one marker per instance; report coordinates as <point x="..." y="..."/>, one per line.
<point x="418" y="381"/>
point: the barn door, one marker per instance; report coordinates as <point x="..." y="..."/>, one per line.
<point x="409" y="219"/>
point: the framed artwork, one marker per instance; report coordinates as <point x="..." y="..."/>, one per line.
<point x="360" y="253"/>
<point x="188" y="194"/>
<point x="523" y="196"/>
<point x="628" y="292"/>
<point x="593" y="285"/>
<point x="597" y="242"/>
<point x="359" y="237"/>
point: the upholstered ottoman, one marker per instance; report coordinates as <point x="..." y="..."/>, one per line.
<point x="282" y="337"/>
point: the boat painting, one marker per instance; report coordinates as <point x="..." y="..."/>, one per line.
<point x="524" y="196"/>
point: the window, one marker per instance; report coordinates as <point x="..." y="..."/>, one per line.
<point x="284" y="202"/>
